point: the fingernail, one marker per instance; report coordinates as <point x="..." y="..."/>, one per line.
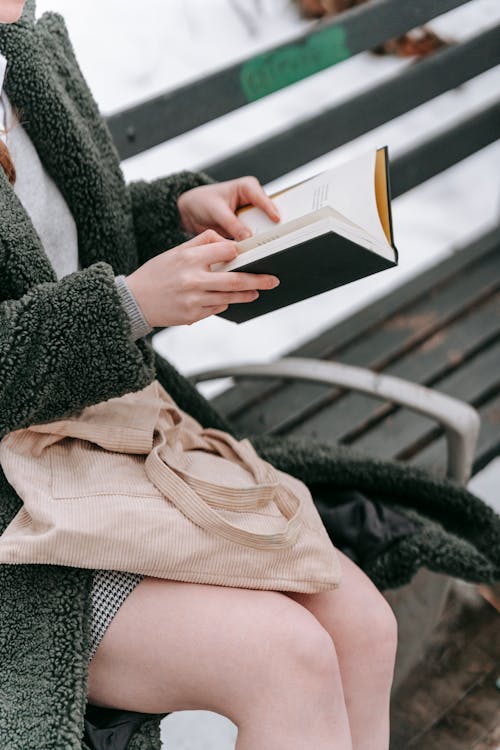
<point x="244" y="234"/>
<point x="276" y="282"/>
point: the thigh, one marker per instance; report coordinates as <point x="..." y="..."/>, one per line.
<point x="176" y="646"/>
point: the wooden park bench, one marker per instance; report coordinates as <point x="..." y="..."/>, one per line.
<point x="406" y="377"/>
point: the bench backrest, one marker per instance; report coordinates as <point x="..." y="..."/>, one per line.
<point x="323" y="45"/>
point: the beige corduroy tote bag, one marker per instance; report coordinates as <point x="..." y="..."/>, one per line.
<point x="136" y="484"/>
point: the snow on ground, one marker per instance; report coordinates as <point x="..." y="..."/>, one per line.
<point x="130" y="51"/>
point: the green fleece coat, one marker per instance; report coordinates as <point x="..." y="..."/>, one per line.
<point x="66" y="344"/>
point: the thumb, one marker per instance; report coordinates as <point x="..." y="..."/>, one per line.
<point x="204" y="238"/>
<point x="229" y="222"/>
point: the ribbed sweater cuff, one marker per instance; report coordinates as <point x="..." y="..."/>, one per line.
<point x="139" y="324"/>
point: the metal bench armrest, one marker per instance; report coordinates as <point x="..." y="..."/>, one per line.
<point x="459" y="420"/>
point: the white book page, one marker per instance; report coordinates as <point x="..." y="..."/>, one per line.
<point x="350" y="188"/>
<point x="301" y="235"/>
<point x="284" y="229"/>
<point x="347" y="189"/>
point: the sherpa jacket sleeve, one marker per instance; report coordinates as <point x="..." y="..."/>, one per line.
<point x="65" y="345"/>
<point x="157" y="222"/>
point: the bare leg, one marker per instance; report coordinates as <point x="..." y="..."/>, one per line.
<point x="364" y="629"/>
<point x="257" y="657"/>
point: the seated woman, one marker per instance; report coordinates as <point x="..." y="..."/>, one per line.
<point x="88" y="265"/>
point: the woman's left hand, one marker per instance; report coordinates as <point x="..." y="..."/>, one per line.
<point x="213" y="206"/>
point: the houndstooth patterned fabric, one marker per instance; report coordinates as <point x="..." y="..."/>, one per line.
<point x="109" y="590"/>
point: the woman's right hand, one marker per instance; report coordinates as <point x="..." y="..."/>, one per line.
<point x="178" y="287"/>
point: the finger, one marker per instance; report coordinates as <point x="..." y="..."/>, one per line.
<point x="229" y="222"/>
<point x="223" y="298"/>
<point x="221" y="232"/>
<point x="217" y="252"/>
<point x="204" y="238"/>
<point x="212" y="311"/>
<point x="234" y="281"/>
<point x="251" y="191"/>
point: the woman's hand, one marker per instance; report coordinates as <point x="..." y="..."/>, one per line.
<point x="214" y="206"/>
<point x="178" y="287"/>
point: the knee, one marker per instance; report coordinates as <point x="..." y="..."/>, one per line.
<point x="380" y="632"/>
<point x="294" y="663"/>
<point x="303" y="648"/>
<point x="289" y="659"/>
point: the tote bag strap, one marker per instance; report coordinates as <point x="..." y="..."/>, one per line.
<point x="195" y="497"/>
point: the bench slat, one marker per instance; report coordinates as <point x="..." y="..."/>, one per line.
<point x="190" y="105"/>
<point x="309" y="139"/>
<point x="443" y="150"/>
<point x="389" y="349"/>
<point x="331" y="342"/>
<point x="403" y="434"/>
<point x="348" y="418"/>
<point x="433" y="458"/>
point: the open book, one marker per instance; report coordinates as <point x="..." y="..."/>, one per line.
<point x="335" y="227"/>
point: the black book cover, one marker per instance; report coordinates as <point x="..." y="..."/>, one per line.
<point x="306" y="269"/>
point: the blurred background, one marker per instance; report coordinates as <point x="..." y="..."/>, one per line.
<point x="130" y="51"/>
